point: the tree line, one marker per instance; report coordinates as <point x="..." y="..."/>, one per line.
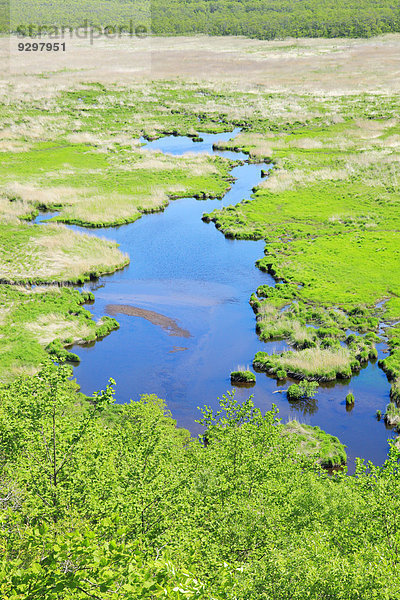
<point x="263" y="19"/>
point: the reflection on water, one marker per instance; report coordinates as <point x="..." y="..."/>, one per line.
<point x="184" y="274"/>
<point x="305" y="406"/>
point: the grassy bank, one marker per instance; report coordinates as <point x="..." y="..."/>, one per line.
<point x="328" y="211"/>
<point x="100" y="183"/>
<point x="54" y="254"/>
<point x="313" y="442"/>
<point x="41" y="320"/>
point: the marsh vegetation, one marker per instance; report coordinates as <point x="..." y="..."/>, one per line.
<point x="343" y="147"/>
<point x="313" y="442"/>
<point x="242" y="376"/>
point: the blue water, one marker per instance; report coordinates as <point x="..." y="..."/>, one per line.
<point x="188" y="271"/>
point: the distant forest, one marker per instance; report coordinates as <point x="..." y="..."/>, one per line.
<point x="263" y="19"/>
<point x="270" y="19"/>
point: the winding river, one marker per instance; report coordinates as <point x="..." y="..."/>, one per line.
<point x="186" y="323"/>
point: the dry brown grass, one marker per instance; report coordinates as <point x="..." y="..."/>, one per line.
<point x="294" y="427"/>
<point x="153" y="160"/>
<point x="18" y="370"/>
<point x="4" y="311"/>
<point x="11" y="211"/>
<point x="31" y="193"/>
<point x="68" y="254"/>
<point x="320" y="65"/>
<point x="10" y="145"/>
<point x="59" y="254"/>
<point x="281" y="180"/>
<point x="91" y="208"/>
<point x="369" y="155"/>
<point x="317" y="360"/>
<point x="38" y="289"/>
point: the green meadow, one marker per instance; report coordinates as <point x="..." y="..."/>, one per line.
<point x="328" y="210"/>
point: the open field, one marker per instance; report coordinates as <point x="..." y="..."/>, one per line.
<point x="332" y="66"/>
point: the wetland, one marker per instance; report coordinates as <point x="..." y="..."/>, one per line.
<point x="185" y="279"/>
<point x="200" y="319"/>
<point x="259" y="228"/>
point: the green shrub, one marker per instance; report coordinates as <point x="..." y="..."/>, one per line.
<point x="56" y="349"/>
<point x="303" y="390"/>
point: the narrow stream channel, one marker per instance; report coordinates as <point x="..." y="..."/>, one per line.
<point x="186" y="323"/>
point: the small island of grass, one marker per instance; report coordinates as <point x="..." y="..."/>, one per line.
<point x="243" y="377"/>
<point x="328" y="449"/>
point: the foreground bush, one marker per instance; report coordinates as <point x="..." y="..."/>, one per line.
<point x="108" y="501"/>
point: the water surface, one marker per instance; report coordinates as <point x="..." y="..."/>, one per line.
<point x="186" y="322"/>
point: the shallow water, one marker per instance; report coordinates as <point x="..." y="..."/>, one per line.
<point x="189" y="278"/>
